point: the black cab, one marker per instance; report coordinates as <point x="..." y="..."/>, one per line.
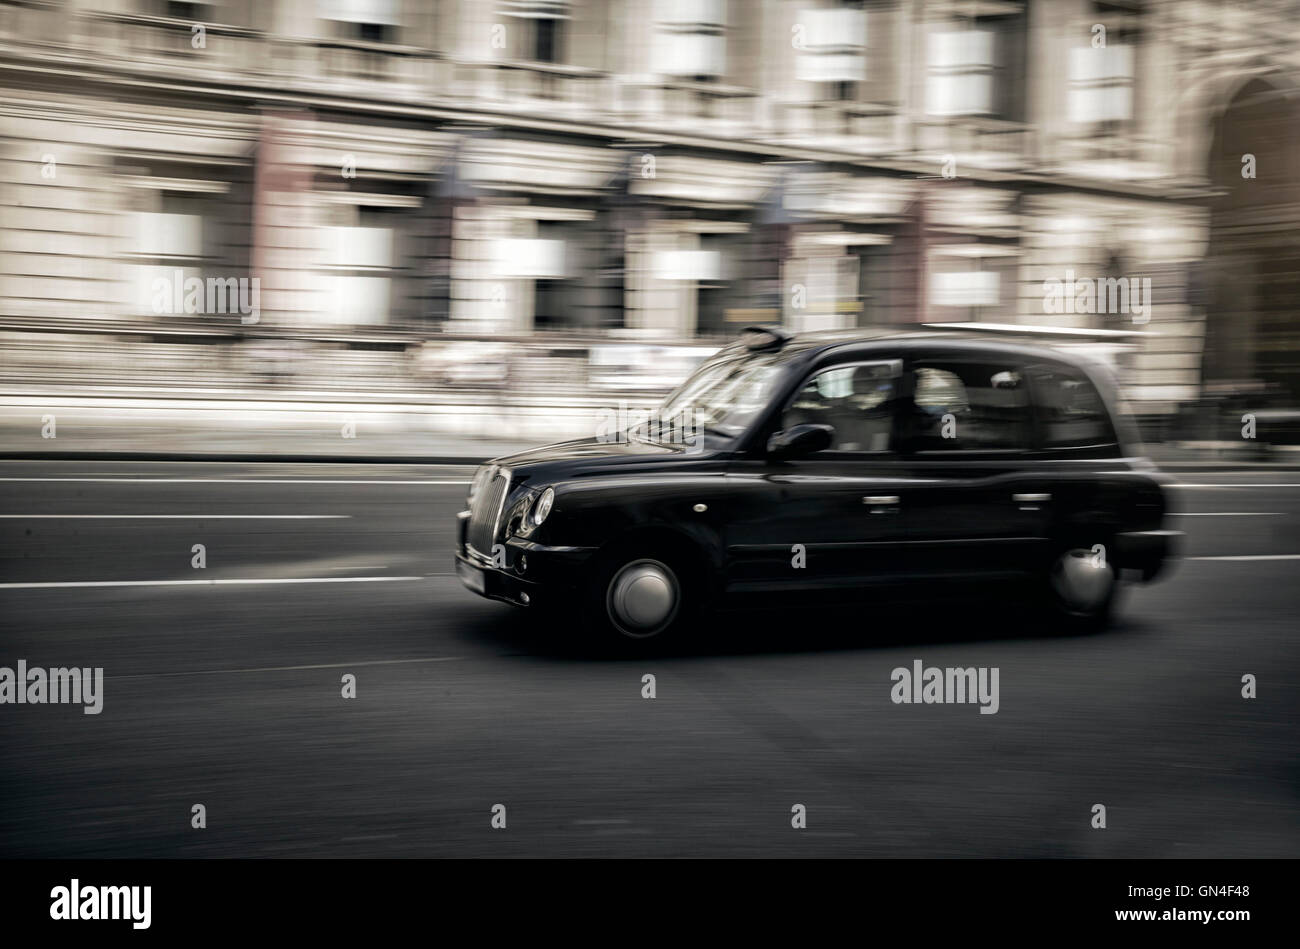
<point x="823" y="466"/>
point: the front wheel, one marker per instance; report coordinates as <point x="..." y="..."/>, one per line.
<point x="638" y="601"/>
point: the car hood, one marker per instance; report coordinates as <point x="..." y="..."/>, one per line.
<point x="588" y="455"/>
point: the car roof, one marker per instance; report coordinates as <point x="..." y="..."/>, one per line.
<point x="810" y="345"/>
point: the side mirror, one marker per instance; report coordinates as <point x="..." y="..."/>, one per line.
<point x="798" y="441"/>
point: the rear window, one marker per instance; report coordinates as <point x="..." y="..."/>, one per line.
<point x="969" y="407"/>
<point x="1070" y="409"/>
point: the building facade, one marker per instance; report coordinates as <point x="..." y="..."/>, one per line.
<point x="662" y="170"/>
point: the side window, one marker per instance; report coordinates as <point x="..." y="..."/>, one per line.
<point x="857" y="401"/>
<point x="1072" y="412"/>
<point x="970" y="407"/>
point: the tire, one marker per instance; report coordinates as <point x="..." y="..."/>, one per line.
<point x="638" y="601"/>
<point x="1079" y="587"/>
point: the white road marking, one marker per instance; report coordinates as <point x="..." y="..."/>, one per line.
<point x="182" y="517"/>
<point x="1284" y="484"/>
<point x="1252" y="557"/>
<point x="223" y="481"/>
<point x="66" y="584"/>
<point x="324" y="665"/>
<point x="1226" y="514"/>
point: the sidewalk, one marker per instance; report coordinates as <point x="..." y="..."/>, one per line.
<point x="292" y="425"/>
<point x="464" y="427"/>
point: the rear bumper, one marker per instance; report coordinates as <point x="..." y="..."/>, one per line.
<point x="1148" y="552"/>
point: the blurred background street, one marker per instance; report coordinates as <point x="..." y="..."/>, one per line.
<point x="509" y="213"/>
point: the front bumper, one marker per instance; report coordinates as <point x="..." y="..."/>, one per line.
<point x="1147" y="551"/>
<point x="493" y="583"/>
<point x="525" y="573"/>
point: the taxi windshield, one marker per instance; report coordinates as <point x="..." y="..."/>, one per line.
<point x="725" y="394"/>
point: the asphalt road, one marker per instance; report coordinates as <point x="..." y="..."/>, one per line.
<point x="229" y="694"/>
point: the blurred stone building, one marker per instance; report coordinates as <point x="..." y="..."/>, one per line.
<point x="664" y="170"/>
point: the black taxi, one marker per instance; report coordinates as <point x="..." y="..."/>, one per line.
<point x="822" y="466"/>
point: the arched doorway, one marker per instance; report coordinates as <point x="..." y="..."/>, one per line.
<point x="1252" y="339"/>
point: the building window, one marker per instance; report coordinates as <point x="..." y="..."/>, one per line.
<point x="546" y="45"/>
<point x="978" y="68"/>
<point x="170" y="248"/>
<point x="538" y="31"/>
<point x="1101" y="84"/>
<point x="832" y="50"/>
<point x="196" y="12"/>
<point x="174" y="234"/>
<point x="718" y="292"/>
<point x="360" y="266"/>
<point x="961" y="73"/>
<point x="963" y="290"/>
<point x="1102" y="72"/>
<point x="690" y="39"/>
<point x="371" y="21"/>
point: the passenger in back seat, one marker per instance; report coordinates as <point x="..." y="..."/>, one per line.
<point x="863" y="419"/>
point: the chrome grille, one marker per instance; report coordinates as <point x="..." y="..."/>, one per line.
<point x="486" y="511"/>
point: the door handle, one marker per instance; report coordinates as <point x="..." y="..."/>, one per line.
<point x="882" y="503"/>
<point x="1030" y="502"/>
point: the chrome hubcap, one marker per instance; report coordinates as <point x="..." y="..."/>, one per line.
<point x="1082" y="580"/>
<point x="643" y="598"/>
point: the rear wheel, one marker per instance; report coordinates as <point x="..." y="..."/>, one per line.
<point x="1080" y="586"/>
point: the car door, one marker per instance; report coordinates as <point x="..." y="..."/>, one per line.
<point x="977" y="508"/>
<point x="828" y="521"/>
<point x="1074" y="438"/>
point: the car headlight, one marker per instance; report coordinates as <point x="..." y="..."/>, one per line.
<point x="542" y="507"/>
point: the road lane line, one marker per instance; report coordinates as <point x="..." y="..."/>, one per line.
<point x="1285" y="484"/>
<point x="224" y="481"/>
<point x="1226" y="514"/>
<point x="1250" y="557"/>
<point x="180" y="517"/>
<point x="325" y="665"/>
<point x="72" y="584"/>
